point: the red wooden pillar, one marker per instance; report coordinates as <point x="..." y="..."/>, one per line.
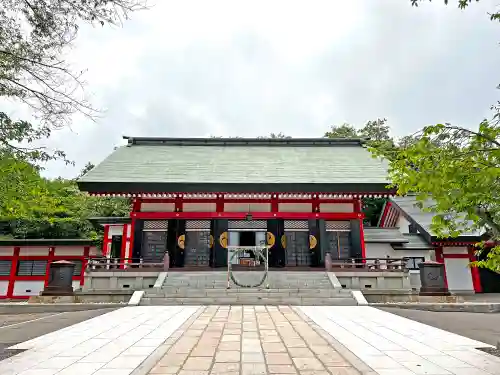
<point x="105" y="241"/>
<point x="358" y="208"/>
<point x="123" y="253"/>
<point x="52" y="250"/>
<point x="474" y="271"/>
<point x="13" y="272"/>
<point x="86" y="256"/>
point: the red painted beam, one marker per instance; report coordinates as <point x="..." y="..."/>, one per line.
<point x="243" y="215"/>
<point x="244" y="200"/>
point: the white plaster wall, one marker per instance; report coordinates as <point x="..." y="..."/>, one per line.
<point x="27" y="288"/>
<point x="76" y="284"/>
<point x="69" y="250"/>
<point x="295" y="207"/>
<point x="381" y="250"/>
<point x="6" y="250"/>
<point x="336" y="207"/>
<point x="115" y="230"/>
<point x="455" y="250"/>
<point x="157" y="207"/>
<point x="199" y="207"/>
<point x="458" y="275"/>
<point x="36" y="251"/>
<point x="4" y="284"/>
<point x="247" y="207"/>
<point x="403" y="224"/>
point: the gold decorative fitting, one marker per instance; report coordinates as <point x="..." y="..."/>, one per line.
<point x="312" y="242"/>
<point x="270" y="239"/>
<point x="211" y="241"/>
<point x="283" y="241"/>
<point x="181" y="241"/>
<point x="223" y="240"/>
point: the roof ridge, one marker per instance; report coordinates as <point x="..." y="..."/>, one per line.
<point x="282" y="142"/>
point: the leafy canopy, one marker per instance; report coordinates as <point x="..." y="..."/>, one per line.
<point x="455" y="173"/>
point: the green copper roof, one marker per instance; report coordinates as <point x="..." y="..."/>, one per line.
<point x="238" y="164"/>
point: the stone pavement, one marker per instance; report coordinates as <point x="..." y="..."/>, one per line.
<point x="196" y="340"/>
<point x="477" y="326"/>
<point x="251" y="340"/>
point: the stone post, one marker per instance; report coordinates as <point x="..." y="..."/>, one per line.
<point x="328" y="262"/>
<point x="166" y="262"/>
<point x="60" y="279"/>
<point x="432" y="279"/>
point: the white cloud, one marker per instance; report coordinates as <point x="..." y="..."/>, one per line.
<point x="248" y="68"/>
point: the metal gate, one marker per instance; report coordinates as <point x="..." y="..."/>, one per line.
<point x="197" y="251"/>
<point x="297" y="249"/>
<point x="154" y="246"/>
<point x="197" y="245"/>
<point x="339" y="244"/>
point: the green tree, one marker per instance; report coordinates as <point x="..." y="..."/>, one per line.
<point x="455" y="173"/>
<point x="342" y="131"/>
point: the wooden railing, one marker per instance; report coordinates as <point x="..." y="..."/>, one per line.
<point x="116" y="264"/>
<point x="366" y="264"/>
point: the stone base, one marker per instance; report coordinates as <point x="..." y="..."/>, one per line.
<point x="51" y="291"/>
<point x="434" y="292"/>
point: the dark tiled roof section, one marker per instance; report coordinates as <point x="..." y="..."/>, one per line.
<point x="384" y="235"/>
<point x="422" y="219"/>
<point x="415" y="242"/>
<point x="240" y="161"/>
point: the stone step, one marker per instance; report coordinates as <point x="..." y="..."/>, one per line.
<point x="245" y="300"/>
<point x="197" y="294"/>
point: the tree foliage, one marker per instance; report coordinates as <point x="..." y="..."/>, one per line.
<point x="455" y="173"/>
<point x="462" y="4"/>
<point x="33" y="37"/>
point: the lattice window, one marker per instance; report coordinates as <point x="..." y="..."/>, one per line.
<point x="296" y="225"/>
<point x="247" y="224"/>
<point x="197" y="225"/>
<point x="31" y="267"/>
<point x="156" y="225"/>
<point x="5" y="266"/>
<point x="338" y="226"/>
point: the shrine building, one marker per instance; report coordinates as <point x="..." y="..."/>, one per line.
<point x="194" y="197"/>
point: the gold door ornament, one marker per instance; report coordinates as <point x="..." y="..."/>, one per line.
<point x="270" y="239"/>
<point x="223" y="240"/>
<point x="181" y="241"/>
<point x="312" y="242"/>
<point x="283" y="241"/>
<point x="211" y="241"/>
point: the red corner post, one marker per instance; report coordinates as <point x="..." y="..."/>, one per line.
<point x="105" y="241"/>
<point x="358" y="208"/>
<point x="474" y="271"/>
<point x="13" y="272"/>
<point x="52" y="251"/>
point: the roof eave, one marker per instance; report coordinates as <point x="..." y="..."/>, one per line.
<point x="186" y="187"/>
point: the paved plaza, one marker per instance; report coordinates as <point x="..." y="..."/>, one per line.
<point x="204" y="340"/>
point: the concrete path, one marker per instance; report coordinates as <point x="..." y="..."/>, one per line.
<point x="481" y="327"/>
<point x="393" y="345"/>
<point x="249" y="340"/>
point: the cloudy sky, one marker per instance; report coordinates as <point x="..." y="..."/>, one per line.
<point x="248" y="68"/>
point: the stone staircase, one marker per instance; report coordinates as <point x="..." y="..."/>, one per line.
<point x="285" y="288"/>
